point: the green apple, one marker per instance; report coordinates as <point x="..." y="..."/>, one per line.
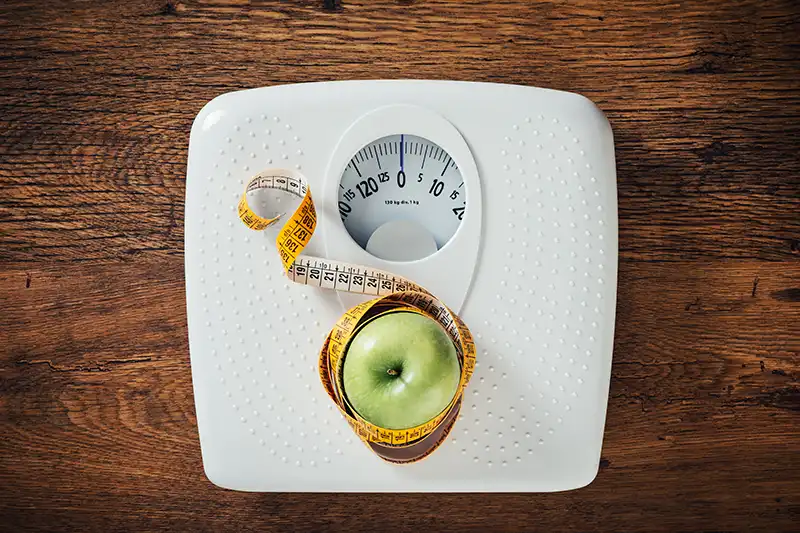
<point x="400" y="370"/>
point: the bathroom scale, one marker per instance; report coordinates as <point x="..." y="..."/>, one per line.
<point x="499" y="199"/>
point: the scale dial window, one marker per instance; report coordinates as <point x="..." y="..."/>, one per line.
<point x="402" y="188"/>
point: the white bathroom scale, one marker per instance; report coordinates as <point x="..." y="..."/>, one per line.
<point x="501" y="200"/>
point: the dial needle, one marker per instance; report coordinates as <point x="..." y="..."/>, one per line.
<point x="401" y="152"/>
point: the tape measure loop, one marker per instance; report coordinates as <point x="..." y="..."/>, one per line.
<point x="392" y="294"/>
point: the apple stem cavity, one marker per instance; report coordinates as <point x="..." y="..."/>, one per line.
<point x="393" y="372"/>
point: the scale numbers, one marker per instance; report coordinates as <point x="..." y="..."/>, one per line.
<point x="402" y="177"/>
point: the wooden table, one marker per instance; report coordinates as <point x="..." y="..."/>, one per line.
<point x="97" y="423"/>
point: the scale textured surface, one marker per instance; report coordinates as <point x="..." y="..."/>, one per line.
<point x="541" y="304"/>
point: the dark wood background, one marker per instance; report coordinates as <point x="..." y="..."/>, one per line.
<point x="97" y="423"/>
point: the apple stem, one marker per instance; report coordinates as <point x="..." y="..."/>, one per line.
<point x="392" y="372"/>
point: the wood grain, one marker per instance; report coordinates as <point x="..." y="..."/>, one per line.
<point x="96" y="101"/>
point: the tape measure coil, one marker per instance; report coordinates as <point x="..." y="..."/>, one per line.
<point x="393" y="293"/>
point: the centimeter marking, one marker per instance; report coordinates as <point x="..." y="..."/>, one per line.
<point x="284" y="183"/>
<point x="347" y="278"/>
<point x="343" y="277"/>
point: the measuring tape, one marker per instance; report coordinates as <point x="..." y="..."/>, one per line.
<point x="393" y="293"/>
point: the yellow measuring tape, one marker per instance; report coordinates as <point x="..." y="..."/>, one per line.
<point x="393" y="293"/>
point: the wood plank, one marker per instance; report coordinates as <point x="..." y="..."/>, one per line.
<point x="673" y="319"/>
<point x="111" y="443"/>
<point x="697" y="147"/>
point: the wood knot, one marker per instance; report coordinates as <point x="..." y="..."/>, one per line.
<point x="172" y="8"/>
<point x="714" y="150"/>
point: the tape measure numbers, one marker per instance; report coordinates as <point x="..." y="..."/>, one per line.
<point x="393" y="293"/>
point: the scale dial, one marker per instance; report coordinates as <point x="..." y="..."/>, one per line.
<point x="402" y="197"/>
